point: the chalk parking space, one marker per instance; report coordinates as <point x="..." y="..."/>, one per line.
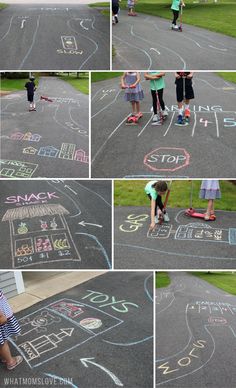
<point x="184" y="242"/>
<point x="146" y="150"/>
<point x="82" y="327"/>
<point x="55" y="224"/>
<point x="196" y="334"/>
<point x="147" y="42"/>
<point x="57" y="36"/>
<point x="51" y="142"/>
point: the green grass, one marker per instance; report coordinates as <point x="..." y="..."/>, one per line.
<point x="131" y="193"/>
<point x="3" y="5"/>
<point x="81" y="84"/>
<point x="101" y="76"/>
<point x="102" y="4"/>
<point x="218" y="17"/>
<point x="222" y="280"/>
<point x="11" y="85"/>
<point x="106" y="12"/>
<point x="162" y="279"/>
<point x="228" y="76"/>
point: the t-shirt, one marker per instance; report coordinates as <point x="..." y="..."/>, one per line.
<point x="175" y="5"/>
<point x="150" y="190"/>
<point x="30" y="86"/>
<point x="158" y="83"/>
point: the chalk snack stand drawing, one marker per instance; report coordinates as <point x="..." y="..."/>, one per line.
<point x="40" y="233"/>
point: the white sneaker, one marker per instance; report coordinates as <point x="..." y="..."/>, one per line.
<point x="155" y="118"/>
<point x="165" y="113"/>
<point x="156" y="220"/>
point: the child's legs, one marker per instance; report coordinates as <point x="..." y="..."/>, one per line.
<point x="210" y="206"/>
<point x="133" y="106"/>
<point x="5" y="353"/>
<point x="160" y="96"/>
<point x="175" y="16"/>
<point x="137" y="106"/>
<point x="154" y="101"/>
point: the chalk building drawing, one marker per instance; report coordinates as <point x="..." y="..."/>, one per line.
<point x="16" y="169"/>
<point x="49" y="151"/>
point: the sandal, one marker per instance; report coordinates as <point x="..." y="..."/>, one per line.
<point x="18" y="360"/>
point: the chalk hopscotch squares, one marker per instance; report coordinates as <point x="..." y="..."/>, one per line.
<point x="59" y="327"/>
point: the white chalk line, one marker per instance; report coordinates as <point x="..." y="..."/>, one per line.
<point x="4" y="36"/>
<point x="111" y="134"/>
<point x="32" y="44"/>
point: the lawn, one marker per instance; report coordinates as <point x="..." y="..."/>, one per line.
<point x="223" y="280"/>
<point x="12" y="85"/>
<point x="81" y="84"/>
<point x="102" y="4"/>
<point x="101" y="76"/>
<point x="162" y="279"/>
<point x="131" y="193"/>
<point x="3" y="5"/>
<point x="218" y="17"/>
<point x="228" y="76"/>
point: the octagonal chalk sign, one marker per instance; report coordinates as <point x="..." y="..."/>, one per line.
<point x="167" y="159"/>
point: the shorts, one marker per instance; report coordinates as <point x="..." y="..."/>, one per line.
<point x="115" y="9"/>
<point x="30" y="97"/>
<point x="189" y="93"/>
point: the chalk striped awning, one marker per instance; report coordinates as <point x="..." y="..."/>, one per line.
<point x="23" y="212"/>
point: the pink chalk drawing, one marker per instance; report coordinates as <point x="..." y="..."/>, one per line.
<point x="167" y="159"/>
<point x="43" y="244"/>
<point x="17" y="136"/>
<point x="81" y="156"/>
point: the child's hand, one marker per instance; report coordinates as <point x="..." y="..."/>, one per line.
<point x="152" y="226"/>
<point x="132" y="86"/>
<point x="123" y="86"/>
<point x="3" y="319"/>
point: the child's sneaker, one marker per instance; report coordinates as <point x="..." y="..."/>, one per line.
<point x="187" y="112"/>
<point x="155" y="118"/>
<point x="165" y="113"/>
<point x="180" y="119"/>
<point x="116" y="19"/>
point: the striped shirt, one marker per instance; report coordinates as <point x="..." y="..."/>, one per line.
<point x="4" y="306"/>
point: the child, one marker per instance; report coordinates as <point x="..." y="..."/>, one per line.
<point x="184" y="93"/>
<point x="175" y="9"/>
<point x="115" y="11"/>
<point x="154" y="191"/>
<point x="130" y="5"/>
<point x="210" y="189"/>
<point x="157" y="85"/>
<point x="8" y="326"/>
<point x="30" y="86"/>
<point x="130" y="81"/>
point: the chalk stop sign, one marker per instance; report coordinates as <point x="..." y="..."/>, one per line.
<point x="167" y="159"/>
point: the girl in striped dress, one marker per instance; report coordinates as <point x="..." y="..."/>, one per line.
<point x="210" y="190"/>
<point x="8" y="326"/>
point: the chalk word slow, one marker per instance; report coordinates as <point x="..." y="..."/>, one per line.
<point x="183" y="362"/>
<point x="104" y="300"/>
<point x="133" y="222"/>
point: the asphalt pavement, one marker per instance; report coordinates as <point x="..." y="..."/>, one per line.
<point x="184" y="242"/>
<point x="98" y="334"/>
<point x="51" y="142"/>
<point x="54" y="36"/>
<point x="205" y="147"/>
<point x="55" y="224"/>
<point x="195" y="341"/>
<point x="147" y="42"/>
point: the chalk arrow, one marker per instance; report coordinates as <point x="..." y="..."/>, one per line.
<point x="68" y="187"/>
<point x="87" y="361"/>
<point x="83" y="223"/>
<point x="158" y="52"/>
<point x="22" y="23"/>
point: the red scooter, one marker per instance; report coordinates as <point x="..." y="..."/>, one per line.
<point x="193" y="213"/>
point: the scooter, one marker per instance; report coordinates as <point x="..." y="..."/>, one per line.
<point x="190" y="212"/>
<point x="46" y="98"/>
